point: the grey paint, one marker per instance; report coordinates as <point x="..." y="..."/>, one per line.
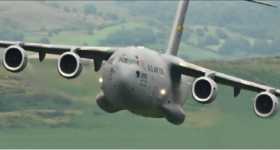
<point x="136" y="84"/>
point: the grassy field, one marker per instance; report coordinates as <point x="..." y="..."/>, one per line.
<point x="39" y="109"/>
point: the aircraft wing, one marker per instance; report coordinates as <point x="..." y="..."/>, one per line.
<point x="262" y="3"/>
<point x="101" y="53"/>
<point x="193" y="70"/>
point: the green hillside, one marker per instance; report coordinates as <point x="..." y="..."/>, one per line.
<point x="40" y="109"/>
<point x="214" y="30"/>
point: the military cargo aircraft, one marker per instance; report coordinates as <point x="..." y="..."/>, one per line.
<point x="142" y="80"/>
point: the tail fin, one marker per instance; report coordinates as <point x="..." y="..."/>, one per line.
<point x="178" y="26"/>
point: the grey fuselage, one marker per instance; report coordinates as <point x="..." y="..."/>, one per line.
<point x="139" y="80"/>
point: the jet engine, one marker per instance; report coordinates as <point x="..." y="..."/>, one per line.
<point x="265" y="104"/>
<point x="14" y="59"/>
<point x="204" y="90"/>
<point x="69" y="65"/>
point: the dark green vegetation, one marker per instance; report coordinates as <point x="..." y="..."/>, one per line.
<point x="214" y="30"/>
<point x="39" y="109"/>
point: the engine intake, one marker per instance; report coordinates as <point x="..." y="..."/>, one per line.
<point x="265" y="104"/>
<point x="204" y="90"/>
<point x="14" y="59"/>
<point x="69" y="65"/>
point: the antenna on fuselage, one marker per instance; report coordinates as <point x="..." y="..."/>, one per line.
<point x="178" y="27"/>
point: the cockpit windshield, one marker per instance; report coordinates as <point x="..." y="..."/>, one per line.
<point x="127" y="60"/>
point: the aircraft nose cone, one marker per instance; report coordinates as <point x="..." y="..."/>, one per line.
<point x="124" y="79"/>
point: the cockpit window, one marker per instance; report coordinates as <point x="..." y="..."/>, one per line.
<point x="127" y="60"/>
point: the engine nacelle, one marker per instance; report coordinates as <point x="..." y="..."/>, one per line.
<point x="204" y="90"/>
<point x="69" y="65"/>
<point x="14" y="59"/>
<point x="265" y="104"/>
